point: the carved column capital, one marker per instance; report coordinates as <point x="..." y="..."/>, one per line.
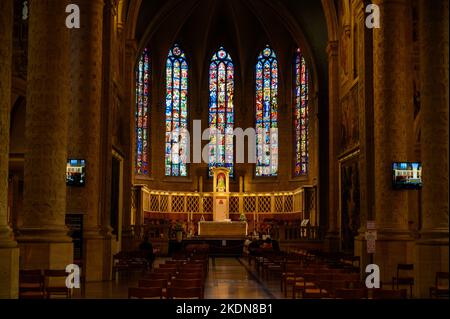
<point x="347" y="30"/>
<point x="333" y="48"/>
<point x="130" y="48"/>
<point x="113" y="6"/>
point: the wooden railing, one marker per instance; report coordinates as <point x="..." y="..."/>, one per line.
<point x="152" y="206"/>
<point x="175" y="202"/>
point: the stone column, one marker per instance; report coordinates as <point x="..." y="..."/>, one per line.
<point x="85" y="132"/>
<point x="364" y="68"/>
<point x="332" y="235"/>
<point x="129" y="98"/>
<point x="432" y="247"/>
<point x="106" y="136"/>
<point x="43" y="238"/>
<point x="393" y="127"/>
<point x="9" y="253"/>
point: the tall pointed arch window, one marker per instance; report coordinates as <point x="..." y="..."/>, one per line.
<point x="301" y="114"/>
<point x="221" y="110"/>
<point x="176" y="150"/>
<point x="267" y="113"/>
<point x="142" y="117"/>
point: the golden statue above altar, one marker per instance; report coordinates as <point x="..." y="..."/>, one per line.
<point x="221" y="189"/>
<point x="221" y="179"/>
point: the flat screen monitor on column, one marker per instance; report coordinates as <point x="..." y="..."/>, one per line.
<point x="76" y="172"/>
<point x="407" y="175"/>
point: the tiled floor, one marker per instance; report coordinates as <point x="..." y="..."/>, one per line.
<point x="228" y="278"/>
<point x="271" y="285"/>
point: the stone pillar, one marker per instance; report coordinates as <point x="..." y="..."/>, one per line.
<point x="332" y="235"/>
<point x="393" y="127"/>
<point x="432" y="247"/>
<point x="364" y="71"/>
<point x="129" y="98"/>
<point x="9" y="253"/>
<point x="43" y="238"/>
<point x="107" y="110"/>
<point x="85" y="132"/>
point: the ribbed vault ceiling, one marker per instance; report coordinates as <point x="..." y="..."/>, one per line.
<point x="204" y="25"/>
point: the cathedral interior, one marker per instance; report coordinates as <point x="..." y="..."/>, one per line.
<point x="341" y="104"/>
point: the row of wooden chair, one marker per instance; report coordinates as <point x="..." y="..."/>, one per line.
<point x="404" y="276"/>
<point x="184" y="268"/>
<point x="334" y="275"/>
<point x="324" y="284"/>
<point x="39" y="284"/>
<point x="179" y="278"/>
<point x="333" y="259"/>
<point x="364" y="293"/>
<point x="177" y="287"/>
<point x="440" y="288"/>
<point x="179" y="264"/>
<point x="319" y="279"/>
<point x="315" y="274"/>
<point x="126" y="262"/>
<point x="336" y="271"/>
<point x="172" y="293"/>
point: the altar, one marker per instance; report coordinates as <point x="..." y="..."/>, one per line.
<point x="225" y="229"/>
<point x="222" y="226"/>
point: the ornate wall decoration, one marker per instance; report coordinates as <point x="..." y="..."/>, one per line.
<point x="350" y="120"/>
<point x="350" y="202"/>
<point x="345" y="49"/>
<point x="345" y="41"/>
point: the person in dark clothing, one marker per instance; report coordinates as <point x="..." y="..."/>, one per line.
<point x="252" y="247"/>
<point x="275" y="245"/>
<point x="146" y="248"/>
<point x="267" y="244"/>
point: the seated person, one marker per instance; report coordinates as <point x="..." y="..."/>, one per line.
<point x="147" y="248"/>
<point x="267" y="244"/>
<point x="252" y="247"/>
<point x="247" y="243"/>
<point x="275" y="245"/>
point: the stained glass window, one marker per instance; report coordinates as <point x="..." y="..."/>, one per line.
<point x="267" y="113"/>
<point x="176" y="150"/>
<point x="221" y="111"/>
<point x="142" y="113"/>
<point x="301" y="115"/>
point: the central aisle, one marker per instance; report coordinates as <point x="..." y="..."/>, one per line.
<point x="229" y="279"/>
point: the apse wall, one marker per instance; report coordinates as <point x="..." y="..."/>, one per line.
<point x="243" y="29"/>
